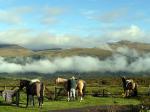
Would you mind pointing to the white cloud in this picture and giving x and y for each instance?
(50, 14)
(9, 17)
(116, 63)
(106, 17)
(132, 33)
(14, 15)
(44, 39)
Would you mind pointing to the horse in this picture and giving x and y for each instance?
(81, 86)
(65, 83)
(33, 88)
(129, 86)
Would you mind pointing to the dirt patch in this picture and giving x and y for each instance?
(112, 108)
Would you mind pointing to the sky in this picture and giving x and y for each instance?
(42, 24)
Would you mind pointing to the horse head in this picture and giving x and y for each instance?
(23, 83)
(123, 79)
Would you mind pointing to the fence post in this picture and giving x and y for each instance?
(55, 93)
(103, 92)
(5, 87)
(17, 97)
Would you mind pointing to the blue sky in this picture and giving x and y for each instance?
(73, 23)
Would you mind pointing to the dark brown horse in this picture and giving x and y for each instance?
(33, 89)
(129, 86)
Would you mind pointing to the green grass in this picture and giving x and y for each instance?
(59, 105)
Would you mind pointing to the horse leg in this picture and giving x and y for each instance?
(40, 100)
(33, 100)
(135, 90)
(68, 95)
(74, 94)
(81, 94)
(27, 100)
(126, 93)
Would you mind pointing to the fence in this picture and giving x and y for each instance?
(101, 91)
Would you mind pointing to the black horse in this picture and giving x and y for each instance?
(33, 89)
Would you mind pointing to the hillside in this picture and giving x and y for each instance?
(94, 52)
(98, 52)
(141, 47)
(12, 50)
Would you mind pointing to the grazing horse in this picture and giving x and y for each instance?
(81, 86)
(33, 88)
(65, 83)
(130, 87)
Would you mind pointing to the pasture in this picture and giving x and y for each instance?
(95, 97)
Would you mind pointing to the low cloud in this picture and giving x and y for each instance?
(122, 61)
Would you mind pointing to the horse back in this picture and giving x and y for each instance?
(80, 84)
(39, 89)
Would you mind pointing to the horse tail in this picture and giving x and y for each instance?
(84, 88)
(42, 91)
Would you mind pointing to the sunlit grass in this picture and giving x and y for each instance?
(59, 105)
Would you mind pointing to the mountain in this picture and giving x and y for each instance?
(94, 52)
(32, 63)
(141, 47)
(100, 52)
(14, 50)
(9, 50)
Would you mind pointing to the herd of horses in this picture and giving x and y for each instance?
(36, 88)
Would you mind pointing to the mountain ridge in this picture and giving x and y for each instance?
(17, 50)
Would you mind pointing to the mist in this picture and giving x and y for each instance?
(123, 59)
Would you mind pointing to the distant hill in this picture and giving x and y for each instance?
(19, 55)
(141, 47)
(11, 46)
(95, 52)
(98, 52)
(16, 50)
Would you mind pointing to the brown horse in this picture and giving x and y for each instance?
(81, 86)
(130, 87)
(33, 88)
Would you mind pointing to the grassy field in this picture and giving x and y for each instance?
(59, 105)
(63, 104)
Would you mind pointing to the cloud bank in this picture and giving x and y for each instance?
(122, 61)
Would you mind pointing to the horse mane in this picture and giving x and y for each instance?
(34, 81)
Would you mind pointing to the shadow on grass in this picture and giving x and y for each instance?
(21, 105)
(108, 108)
